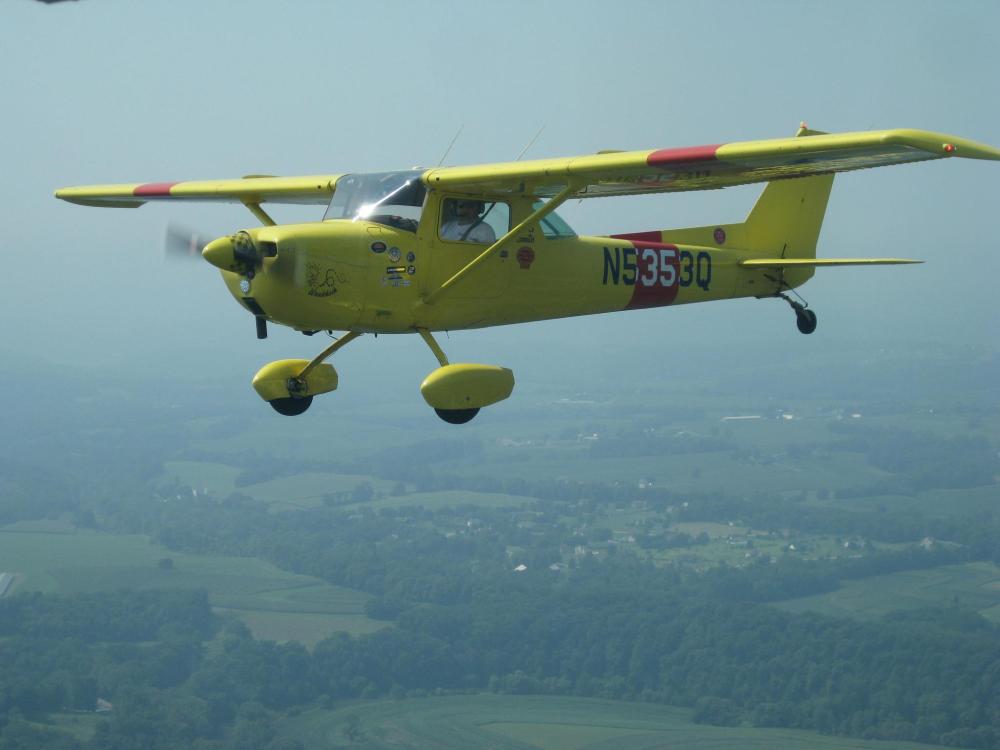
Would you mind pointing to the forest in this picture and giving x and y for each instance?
(473, 577)
(614, 625)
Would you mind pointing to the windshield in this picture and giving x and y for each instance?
(393, 198)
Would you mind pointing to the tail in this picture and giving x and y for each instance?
(781, 232)
(784, 223)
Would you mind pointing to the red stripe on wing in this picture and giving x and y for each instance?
(670, 157)
(154, 189)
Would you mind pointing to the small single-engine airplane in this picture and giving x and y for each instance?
(450, 248)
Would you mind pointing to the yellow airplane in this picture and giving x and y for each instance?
(453, 248)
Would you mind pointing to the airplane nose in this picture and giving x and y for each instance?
(220, 253)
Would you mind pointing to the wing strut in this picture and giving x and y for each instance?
(541, 212)
(260, 213)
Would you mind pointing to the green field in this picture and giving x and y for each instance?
(275, 604)
(284, 493)
(504, 722)
(973, 585)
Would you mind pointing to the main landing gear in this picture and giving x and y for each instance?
(805, 319)
(455, 392)
(457, 416)
(458, 392)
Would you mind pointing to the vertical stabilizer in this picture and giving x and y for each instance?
(786, 220)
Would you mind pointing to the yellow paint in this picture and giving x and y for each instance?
(363, 276)
(271, 381)
(467, 386)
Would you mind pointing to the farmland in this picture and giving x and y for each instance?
(508, 722)
(275, 604)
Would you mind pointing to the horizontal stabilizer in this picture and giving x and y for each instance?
(819, 262)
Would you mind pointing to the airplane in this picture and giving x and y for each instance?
(451, 248)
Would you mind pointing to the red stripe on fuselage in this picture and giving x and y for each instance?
(154, 188)
(657, 275)
(666, 158)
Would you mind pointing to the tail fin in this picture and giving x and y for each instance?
(784, 223)
(786, 219)
(780, 232)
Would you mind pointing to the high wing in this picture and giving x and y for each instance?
(706, 167)
(254, 190)
(604, 174)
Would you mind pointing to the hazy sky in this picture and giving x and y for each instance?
(121, 91)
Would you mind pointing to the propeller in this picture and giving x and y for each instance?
(238, 253)
(181, 243)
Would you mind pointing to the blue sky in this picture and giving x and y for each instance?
(116, 90)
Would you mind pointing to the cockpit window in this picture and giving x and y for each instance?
(553, 225)
(474, 220)
(392, 198)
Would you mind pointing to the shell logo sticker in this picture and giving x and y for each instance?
(525, 257)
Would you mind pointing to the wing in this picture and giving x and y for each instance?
(707, 167)
(313, 189)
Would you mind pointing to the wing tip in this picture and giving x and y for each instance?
(83, 198)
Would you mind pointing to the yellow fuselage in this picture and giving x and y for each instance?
(340, 275)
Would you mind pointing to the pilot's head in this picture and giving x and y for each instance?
(468, 208)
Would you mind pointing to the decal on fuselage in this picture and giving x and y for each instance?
(655, 271)
(322, 282)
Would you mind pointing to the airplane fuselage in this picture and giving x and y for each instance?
(366, 277)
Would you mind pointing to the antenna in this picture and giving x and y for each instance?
(530, 144)
(448, 150)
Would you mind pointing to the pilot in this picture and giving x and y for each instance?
(467, 225)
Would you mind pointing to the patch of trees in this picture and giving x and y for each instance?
(105, 616)
(60, 653)
(30, 492)
(923, 460)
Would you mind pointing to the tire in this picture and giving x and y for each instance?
(805, 320)
(291, 407)
(456, 416)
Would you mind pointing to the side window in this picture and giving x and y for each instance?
(471, 220)
(553, 226)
